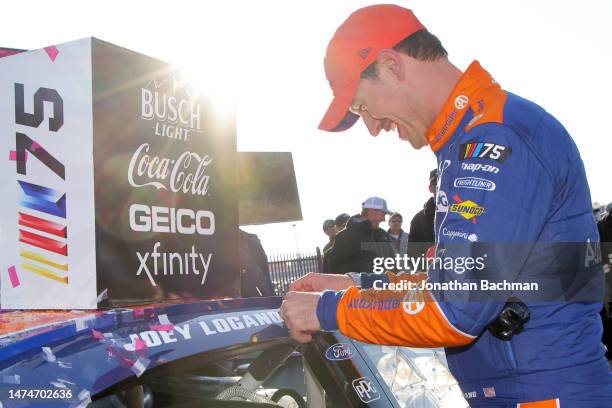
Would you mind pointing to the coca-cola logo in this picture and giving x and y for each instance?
(185, 174)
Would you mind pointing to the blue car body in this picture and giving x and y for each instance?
(88, 355)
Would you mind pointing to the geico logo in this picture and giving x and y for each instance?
(172, 220)
(464, 209)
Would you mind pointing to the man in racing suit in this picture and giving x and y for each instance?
(511, 178)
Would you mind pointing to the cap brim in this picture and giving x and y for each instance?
(338, 118)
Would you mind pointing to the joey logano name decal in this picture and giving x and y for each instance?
(203, 327)
(484, 150)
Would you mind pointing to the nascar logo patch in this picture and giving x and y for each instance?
(484, 150)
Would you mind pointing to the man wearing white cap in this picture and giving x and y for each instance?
(362, 240)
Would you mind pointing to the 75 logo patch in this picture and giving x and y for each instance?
(484, 150)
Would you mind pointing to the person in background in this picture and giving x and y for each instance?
(330, 229)
(422, 224)
(399, 238)
(254, 271)
(604, 226)
(362, 240)
(341, 221)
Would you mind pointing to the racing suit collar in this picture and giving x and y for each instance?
(468, 93)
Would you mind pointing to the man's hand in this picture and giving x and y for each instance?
(318, 282)
(299, 311)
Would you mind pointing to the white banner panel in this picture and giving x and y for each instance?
(47, 222)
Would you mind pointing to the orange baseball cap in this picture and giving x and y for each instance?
(355, 46)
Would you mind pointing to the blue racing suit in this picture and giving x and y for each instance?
(512, 192)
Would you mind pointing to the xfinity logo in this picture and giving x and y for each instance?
(173, 262)
(339, 351)
(364, 387)
(475, 183)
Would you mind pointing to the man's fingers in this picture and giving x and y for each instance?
(303, 284)
(300, 336)
(282, 310)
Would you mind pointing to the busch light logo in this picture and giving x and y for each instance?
(365, 389)
(339, 351)
(167, 103)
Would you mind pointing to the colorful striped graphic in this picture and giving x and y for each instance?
(44, 272)
(40, 206)
(43, 199)
(33, 256)
(470, 148)
(43, 242)
(40, 224)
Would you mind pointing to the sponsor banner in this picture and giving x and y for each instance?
(165, 175)
(46, 180)
(119, 182)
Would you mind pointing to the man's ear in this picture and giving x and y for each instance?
(391, 61)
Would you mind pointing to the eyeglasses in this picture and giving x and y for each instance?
(396, 221)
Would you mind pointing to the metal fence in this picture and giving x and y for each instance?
(285, 268)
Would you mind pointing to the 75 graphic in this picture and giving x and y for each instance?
(42, 209)
(484, 150)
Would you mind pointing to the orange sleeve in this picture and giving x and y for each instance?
(397, 317)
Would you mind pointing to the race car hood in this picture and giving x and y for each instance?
(88, 352)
